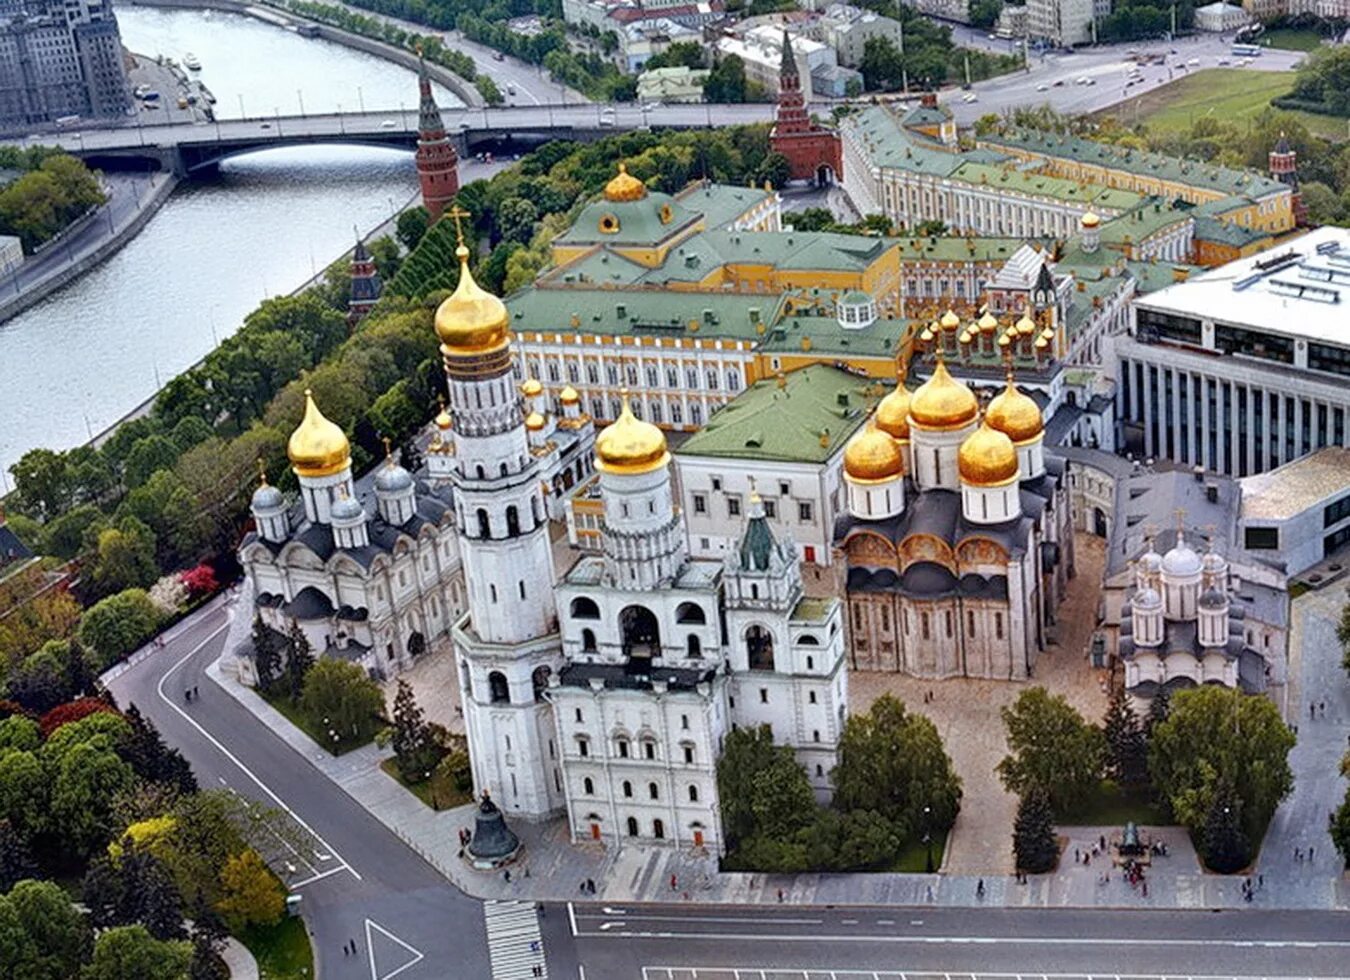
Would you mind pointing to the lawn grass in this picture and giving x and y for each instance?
(439, 792)
(1292, 39)
(1111, 806)
(282, 951)
(914, 858)
(314, 728)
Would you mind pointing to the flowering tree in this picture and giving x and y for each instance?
(200, 581)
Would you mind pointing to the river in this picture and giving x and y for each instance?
(87, 355)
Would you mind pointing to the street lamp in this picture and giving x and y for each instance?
(242, 113)
(300, 97)
(927, 839)
(360, 99)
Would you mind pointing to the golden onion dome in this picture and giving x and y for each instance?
(987, 458)
(1015, 414)
(534, 422)
(873, 456)
(532, 388)
(942, 402)
(318, 447)
(471, 320)
(629, 446)
(988, 323)
(950, 321)
(1091, 220)
(569, 396)
(892, 415)
(1026, 326)
(625, 187)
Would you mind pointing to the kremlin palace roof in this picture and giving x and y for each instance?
(806, 420)
(892, 145)
(652, 313)
(1145, 164)
(721, 204)
(1002, 178)
(952, 248)
(826, 335)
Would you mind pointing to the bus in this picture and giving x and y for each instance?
(1246, 50)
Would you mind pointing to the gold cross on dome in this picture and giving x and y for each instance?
(388, 450)
(456, 213)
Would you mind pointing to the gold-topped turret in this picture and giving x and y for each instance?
(625, 187)
(892, 415)
(629, 446)
(318, 447)
(569, 396)
(942, 402)
(1015, 414)
(987, 458)
(470, 320)
(873, 456)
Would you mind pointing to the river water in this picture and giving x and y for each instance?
(87, 355)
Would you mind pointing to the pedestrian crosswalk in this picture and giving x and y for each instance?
(514, 943)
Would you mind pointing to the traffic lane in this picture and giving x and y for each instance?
(997, 923)
(383, 888)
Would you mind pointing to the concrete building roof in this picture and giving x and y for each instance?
(1294, 487)
(806, 420)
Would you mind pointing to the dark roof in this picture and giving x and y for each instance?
(938, 513)
(11, 548)
(309, 603)
(756, 544)
(634, 676)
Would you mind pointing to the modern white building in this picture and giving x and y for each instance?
(1063, 23)
(368, 571)
(1220, 17)
(761, 49)
(1242, 368)
(1298, 514)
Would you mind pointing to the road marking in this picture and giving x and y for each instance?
(1132, 942)
(159, 688)
(891, 922)
(759, 973)
(318, 876)
(713, 918)
(417, 955)
(572, 917)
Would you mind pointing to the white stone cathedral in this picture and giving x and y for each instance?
(606, 693)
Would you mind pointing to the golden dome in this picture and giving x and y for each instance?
(942, 402)
(892, 415)
(987, 458)
(950, 321)
(531, 388)
(873, 456)
(569, 396)
(1015, 414)
(625, 187)
(443, 420)
(1090, 220)
(471, 320)
(534, 422)
(630, 446)
(318, 447)
(988, 323)
(1026, 326)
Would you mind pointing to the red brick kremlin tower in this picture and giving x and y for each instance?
(808, 148)
(1284, 168)
(437, 161)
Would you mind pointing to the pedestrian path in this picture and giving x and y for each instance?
(514, 943)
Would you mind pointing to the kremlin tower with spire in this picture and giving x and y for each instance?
(437, 161)
(814, 154)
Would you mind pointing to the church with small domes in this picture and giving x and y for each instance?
(956, 522)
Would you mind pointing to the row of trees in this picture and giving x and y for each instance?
(55, 190)
(1215, 758)
(429, 46)
(588, 72)
(894, 786)
(930, 57)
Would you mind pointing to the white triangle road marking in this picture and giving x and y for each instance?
(417, 955)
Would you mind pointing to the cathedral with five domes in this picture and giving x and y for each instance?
(956, 528)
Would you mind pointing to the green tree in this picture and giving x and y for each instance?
(134, 887)
(882, 66)
(1035, 849)
(726, 82)
(342, 693)
(415, 748)
(1052, 747)
(1339, 828)
(147, 456)
(114, 627)
(63, 535)
(250, 893)
(1126, 748)
(746, 752)
(126, 557)
(1158, 710)
(515, 220)
(688, 54)
(776, 169)
(299, 659)
(24, 793)
(130, 951)
(43, 481)
(49, 935)
(1219, 739)
(20, 733)
(893, 762)
(1223, 845)
(85, 779)
(16, 860)
(266, 653)
(983, 13)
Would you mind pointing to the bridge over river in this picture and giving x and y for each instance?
(187, 147)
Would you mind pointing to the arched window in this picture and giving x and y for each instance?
(588, 785)
(734, 380)
(693, 647)
(677, 413)
(759, 648)
(622, 745)
(585, 608)
(587, 641)
(672, 378)
(482, 473)
(653, 791)
(658, 830)
(690, 612)
(498, 690)
(627, 790)
(502, 470)
(641, 636)
(512, 521)
(484, 525)
(540, 681)
(696, 413)
(693, 793)
(809, 641)
(632, 827)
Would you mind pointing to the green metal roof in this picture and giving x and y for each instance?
(1040, 185)
(890, 144)
(958, 249)
(1189, 172)
(1136, 225)
(828, 336)
(651, 313)
(767, 422)
(720, 204)
(639, 221)
(1209, 229)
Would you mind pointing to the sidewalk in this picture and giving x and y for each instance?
(552, 869)
(240, 961)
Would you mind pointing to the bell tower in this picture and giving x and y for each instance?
(507, 645)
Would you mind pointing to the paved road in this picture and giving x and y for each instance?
(358, 881)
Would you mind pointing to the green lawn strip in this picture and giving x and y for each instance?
(438, 792)
(282, 951)
(1111, 806)
(1292, 39)
(313, 727)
